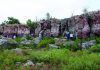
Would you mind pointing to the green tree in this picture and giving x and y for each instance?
(85, 10)
(47, 16)
(32, 25)
(11, 20)
(4, 23)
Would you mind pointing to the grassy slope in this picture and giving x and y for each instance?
(61, 59)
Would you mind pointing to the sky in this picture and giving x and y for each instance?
(37, 9)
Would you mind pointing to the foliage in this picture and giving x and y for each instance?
(29, 37)
(59, 59)
(52, 55)
(95, 48)
(98, 40)
(48, 16)
(64, 59)
(31, 46)
(45, 42)
(74, 46)
(18, 39)
(11, 20)
(8, 59)
(32, 25)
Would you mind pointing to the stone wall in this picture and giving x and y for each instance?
(78, 23)
(82, 23)
(50, 26)
(15, 29)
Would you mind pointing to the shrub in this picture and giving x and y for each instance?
(98, 40)
(8, 59)
(52, 55)
(12, 44)
(29, 37)
(18, 39)
(95, 48)
(58, 59)
(63, 59)
(73, 45)
(32, 46)
(45, 42)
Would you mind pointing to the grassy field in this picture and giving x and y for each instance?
(56, 59)
(65, 58)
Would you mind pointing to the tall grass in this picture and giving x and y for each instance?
(80, 60)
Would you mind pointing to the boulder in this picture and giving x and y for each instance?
(88, 44)
(18, 51)
(8, 43)
(59, 41)
(18, 64)
(92, 42)
(85, 45)
(2, 41)
(53, 46)
(39, 64)
(26, 42)
(12, 42)
(29, 63)
(69, 43)
(37, 40)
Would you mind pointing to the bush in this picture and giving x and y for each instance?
(45, 42)
(32, 46)
(29, 37)
(98, 40)
(73, 46)
(55, 59)
(18, 39)
(52, 55)
(64, 59)
(8, 59)
(95, 48)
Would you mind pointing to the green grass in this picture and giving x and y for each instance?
(60, 59)
(8, 59)
(80, 60)
(45, 42)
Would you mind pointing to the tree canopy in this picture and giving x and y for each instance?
(11, 20)
(31, 24)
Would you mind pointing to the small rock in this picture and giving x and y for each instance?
(84, 45)
(18, 63)
(88, 44)
(8, 43)
(53, 46)
(59, 41)
(26, 42)
(37, 40)
(2, 41)
(39, 64)
(92, 42)
(17, 50)
(69, 43)
(29, 63)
